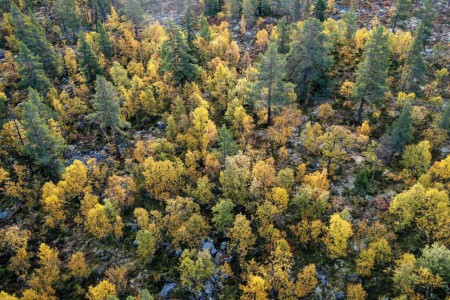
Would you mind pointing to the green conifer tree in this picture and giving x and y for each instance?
(106, 104)
(270, 85)
(402, 13)
(372, 72)
(205, 29)
(89, 62)
(67, 15)
(284, 32)
(309, 59)
(43, 144)
(134, 13)
(401, 131)
(320, 10)
(31, 71)
(415, 67)
(104, 44)
(227, 145)
(176, 58)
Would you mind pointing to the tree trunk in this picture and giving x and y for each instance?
(360, 110)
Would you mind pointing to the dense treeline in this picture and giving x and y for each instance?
(246, 149)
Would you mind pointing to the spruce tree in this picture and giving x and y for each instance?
(205, 29)
(134, 13)
(248, 10)
(104, 44)
(270, 85)
(234, 7)
(415, 67)
(29, 31)
(372, 72)
(445, 119)
(227, 145)
(66, 13)
(284, 31)
(31, 70)
(351, 22)
(212, 7)
(320, 10)
(426, 15)
(43, 144)
(401, 131)
(89, 62)
(176, 58)
(309, 59)
(106, 104)
(403, 12)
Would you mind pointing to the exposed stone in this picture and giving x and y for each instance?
(166, 290)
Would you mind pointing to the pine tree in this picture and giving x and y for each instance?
(372, 72)
(89, 62)
(415, 66)
(309, 59)
(284, 32)
(234, 7)
(228, 146)
(445, 119)
(29, 31)
(248, 11)
(403, 11)
(270, 85)
(66, 12)
(401, 131)
(212, 7)
(205, 29)
(320, 10)
(426, 15)
(106, 103)
(43, 144)
(104, 44)
(351, 22)
(177, 60)
(134, 13)
(31, 70)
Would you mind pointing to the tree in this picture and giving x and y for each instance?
(256, 288)
(428, 209)
(235, 178)
(401, 130)
(205, 29)
(98, 222)
(339, 231)
(320, 8)
(101, 291)
(66, 12)
(234, 7)
(146, 245)
(426, 16)
(437, 259)
(176, 59)
(417, 158)
(309, 59)
(163, 179)
(121, 189)
(104, 44)
(106, 103)
(372, 72)
(195, 268)
(284, 35)
(241, 236)
(211, 7)
(227, 145)
(306, 281)
(134, 13)
(248, 11)
(445, 119)
(43, 143)
(415, 68)
(403, 10)
(204, 129)
(223, 214)
(309, 137)
(335, 144)
(89, 62)
(351, 22)
(47, 274)
(356, 292)
(77, 265)
(270, 85)
(31, 71)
